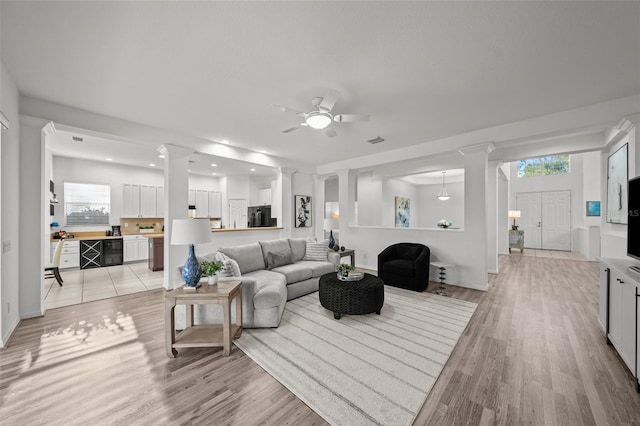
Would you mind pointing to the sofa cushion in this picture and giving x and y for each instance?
(316, 251)
(294, 272)
(274, 246)
(271, 288)
(298, 248)
(230, 268)
(318, 269)
(278, 259)
(401, 267)
(248, 256)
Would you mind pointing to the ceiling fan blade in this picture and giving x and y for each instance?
(329, 100)
(285, 109)
(347, 118)
(291, 129)
(330, 132)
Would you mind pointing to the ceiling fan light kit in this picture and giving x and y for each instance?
(318, 119)
(443, 195)
(321, 118)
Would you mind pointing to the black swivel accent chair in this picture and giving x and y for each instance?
(405, 265)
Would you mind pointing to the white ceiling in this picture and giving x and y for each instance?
(423, 70)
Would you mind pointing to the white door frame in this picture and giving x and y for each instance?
(542, 221)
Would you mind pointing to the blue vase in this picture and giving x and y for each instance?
(191, 271)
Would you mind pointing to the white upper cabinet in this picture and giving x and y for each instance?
(130, 200)
(202, 203)
(215, 204)
(147, 201)
(192, 197)
(160, 201)
(264, 197)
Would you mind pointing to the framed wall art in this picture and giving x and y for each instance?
(403, 212)
(617, 182)
(302, 211)
(593, 208)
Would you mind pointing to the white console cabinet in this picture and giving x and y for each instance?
(619, 313)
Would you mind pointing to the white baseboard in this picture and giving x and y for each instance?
(4, 341)
(33, 314)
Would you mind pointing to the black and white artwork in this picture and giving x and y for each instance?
(302, 211)
(617, 181)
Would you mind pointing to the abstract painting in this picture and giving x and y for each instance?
(302, 211)
(403, 212)
(617, 182)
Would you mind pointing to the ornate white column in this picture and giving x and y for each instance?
(176, 201)
(475, 210)
(284, 184)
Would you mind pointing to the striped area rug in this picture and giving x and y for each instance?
(363, 369)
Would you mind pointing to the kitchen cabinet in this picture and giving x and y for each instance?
(130, 200)
(202, 203)
(619, 297)
(264, 197)
(192, 197)
(142, 201)
(215, 204)
(70, 255)
(135, 248)
(156, 253)
(160, 201)
(147, 201)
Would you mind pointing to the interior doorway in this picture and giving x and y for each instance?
(545, 219)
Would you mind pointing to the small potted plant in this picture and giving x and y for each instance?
(210, 270)
(444, 223)
(344, 269)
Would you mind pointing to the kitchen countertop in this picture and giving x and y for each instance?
(97, 237)
(260, 228)
(154, 235)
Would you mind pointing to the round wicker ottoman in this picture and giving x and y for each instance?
(351, 297)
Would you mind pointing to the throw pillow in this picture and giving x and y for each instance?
(230, 268)
(278, 259)
(316, 251)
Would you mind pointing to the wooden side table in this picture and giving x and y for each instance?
(347, 252)
(516, 239)
(203, 335)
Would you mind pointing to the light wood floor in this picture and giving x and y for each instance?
(533, 353)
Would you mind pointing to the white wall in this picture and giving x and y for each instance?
(572, 181)
(432, 210)
(392, 188)
(10, 217)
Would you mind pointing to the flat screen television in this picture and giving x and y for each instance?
(633, 226)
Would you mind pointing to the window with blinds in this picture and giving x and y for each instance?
(87, 203)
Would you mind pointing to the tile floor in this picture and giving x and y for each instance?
(552, 254)
(85, 285)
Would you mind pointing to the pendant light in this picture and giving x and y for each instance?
(443, 195)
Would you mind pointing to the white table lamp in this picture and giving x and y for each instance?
(190, 232)
(514, 214)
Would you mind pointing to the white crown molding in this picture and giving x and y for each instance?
(487, 147)
(621, 129)
(30, 121)
(175, 151)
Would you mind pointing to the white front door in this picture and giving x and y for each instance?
(556, 220)
(545, 218)
(529, 204)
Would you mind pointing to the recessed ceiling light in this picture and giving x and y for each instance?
(214, 165)
(253, 170)
(189, 170)
(151, 165)
(161, 156)
(263, 151)
(214, 173)
(224, 141)
(108, 159)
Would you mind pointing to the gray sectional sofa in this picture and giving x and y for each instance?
(271, 272)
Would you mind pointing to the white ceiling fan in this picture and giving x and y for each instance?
(321, 117)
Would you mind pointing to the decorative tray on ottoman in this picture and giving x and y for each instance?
(353, 276)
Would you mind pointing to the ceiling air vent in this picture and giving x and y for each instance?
(77, 138)
(375, 140)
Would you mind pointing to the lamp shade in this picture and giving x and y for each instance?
(190, 231)
(514, 214)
